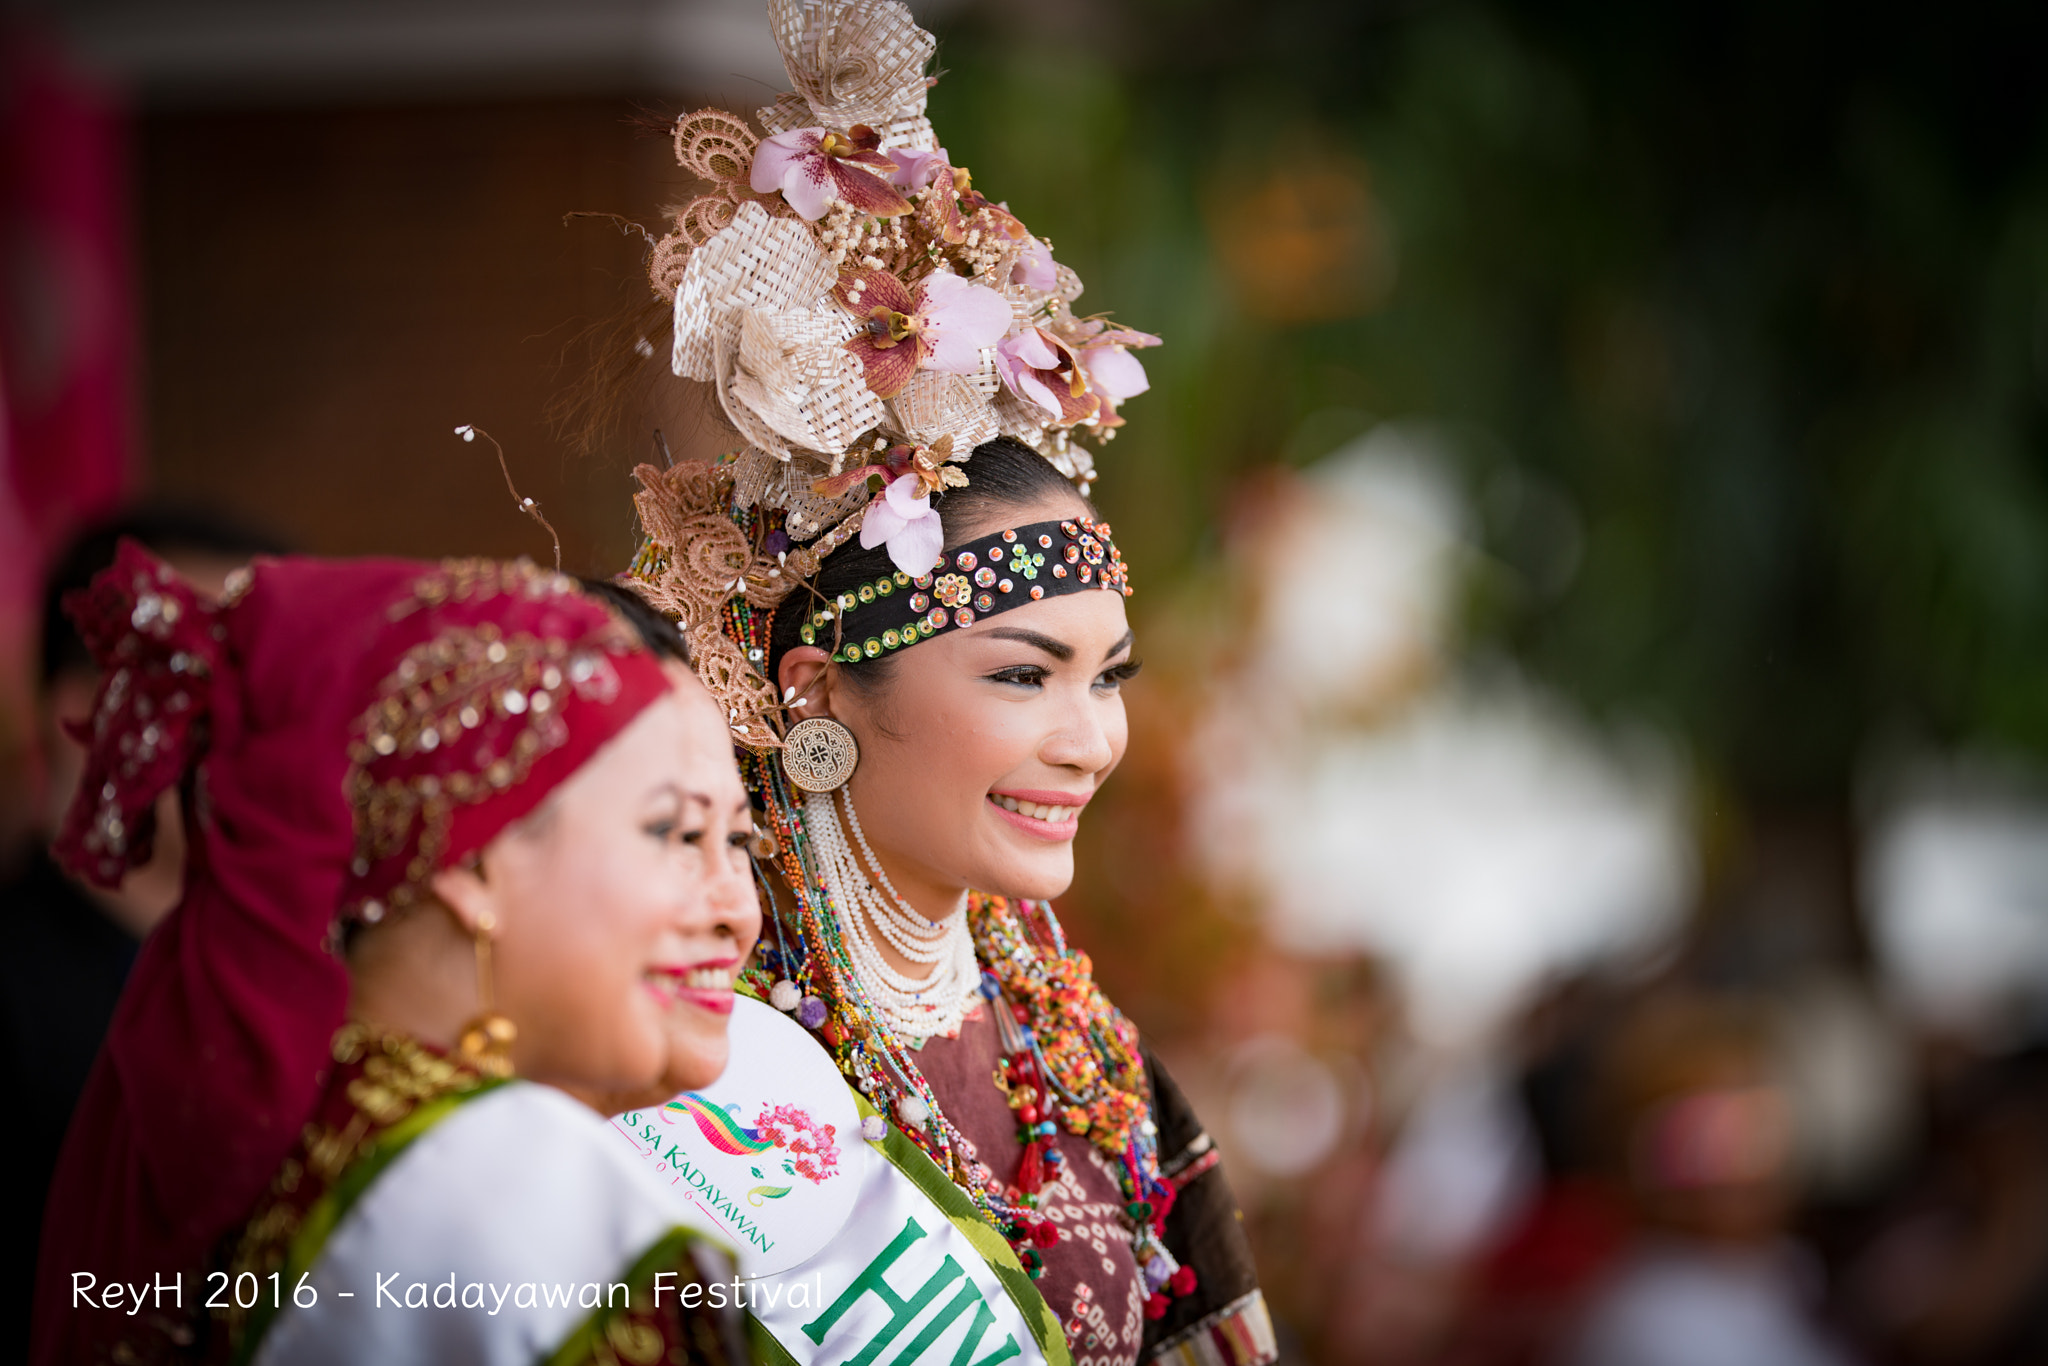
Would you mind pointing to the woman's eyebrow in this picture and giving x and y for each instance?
(681, 794)
(1058, 649)
(1113, 651)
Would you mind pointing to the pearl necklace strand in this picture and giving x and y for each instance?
(916, 1007)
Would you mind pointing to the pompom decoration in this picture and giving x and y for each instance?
(810, 1012)
(784, 996)
(873, 1128)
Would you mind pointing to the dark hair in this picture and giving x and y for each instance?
(165, 532)
(656, 632)
(1004, 475)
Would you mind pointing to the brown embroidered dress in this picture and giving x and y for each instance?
(1090, 1279)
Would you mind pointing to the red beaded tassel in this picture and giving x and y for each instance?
(1031, 1171)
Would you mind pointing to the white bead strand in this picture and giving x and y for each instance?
(916, 1007)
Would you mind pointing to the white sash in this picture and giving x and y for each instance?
(488, 1240)
(853, 1253)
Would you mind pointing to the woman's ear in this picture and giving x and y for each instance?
(468, 895)
(805, 682)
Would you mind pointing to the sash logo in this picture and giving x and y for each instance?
(812, 1153)
(807, 1150)
(710, 1195)
(770, 1157)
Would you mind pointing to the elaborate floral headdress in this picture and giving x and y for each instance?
(866, 318)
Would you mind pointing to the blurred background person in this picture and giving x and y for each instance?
(66, 945)
(1955, 1269)
(1698, 1133)
(1529, 1284)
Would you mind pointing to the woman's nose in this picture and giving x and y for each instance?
(1082, 743)
(731, 898)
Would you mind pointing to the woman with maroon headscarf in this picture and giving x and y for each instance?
(462, 847)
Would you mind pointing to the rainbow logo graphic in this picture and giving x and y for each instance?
(719, 1127)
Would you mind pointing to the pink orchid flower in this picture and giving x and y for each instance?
(942, 327)
(915, 169)
(1039, 368)
(973, 201)
(813, 166)
(929, 463)
(1035, 268)
(1114, 374)
(903, 519)
(948, 213)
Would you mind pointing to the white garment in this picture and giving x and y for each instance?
(1678, 1304)
(520, 1187)
(812, 1242)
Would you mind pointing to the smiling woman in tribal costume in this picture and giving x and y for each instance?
(899, 592)
(462, 844)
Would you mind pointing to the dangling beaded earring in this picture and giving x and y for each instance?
(486, 1042)
(819, 754)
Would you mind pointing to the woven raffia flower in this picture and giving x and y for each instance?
(699, 561)
(705, 555)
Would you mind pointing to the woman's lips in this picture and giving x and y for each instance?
(1029, 812)
(717, 1002)
(707, 986)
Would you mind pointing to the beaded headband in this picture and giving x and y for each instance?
(988, 575)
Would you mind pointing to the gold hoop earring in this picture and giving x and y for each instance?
(486, 1042)
(819, 754)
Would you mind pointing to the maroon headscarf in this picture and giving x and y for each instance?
(340, 730)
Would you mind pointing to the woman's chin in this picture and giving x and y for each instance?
(684, 1063)
(629, 1090)
(698, 1048)
(1040, 877)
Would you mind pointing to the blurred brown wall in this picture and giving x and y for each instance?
(330, 292)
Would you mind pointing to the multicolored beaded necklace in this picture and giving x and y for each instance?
(1069, 1058)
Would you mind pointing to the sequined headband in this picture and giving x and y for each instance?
(988, 575)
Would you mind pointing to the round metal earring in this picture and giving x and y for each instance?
(819, 754)
(486, 1041)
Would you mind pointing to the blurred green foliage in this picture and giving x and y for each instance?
(1735, 318)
